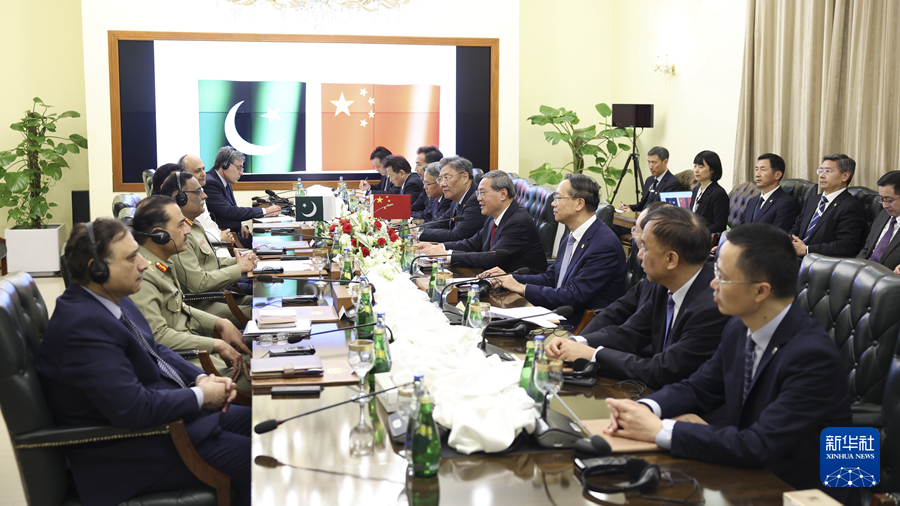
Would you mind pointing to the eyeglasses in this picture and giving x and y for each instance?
(240, 168)
(558, 198)
(429, 184)
(824, 171)
(446, 179)
(195, 192)
(882, 200)
(721, 281)
(479, 193)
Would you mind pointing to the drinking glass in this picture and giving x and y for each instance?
(362, 437)
(415, 229)
(548, 378)
(320, 258)
(441, 280)
(405, 394)
(479, 315)
(320, 286)
(361, 358)
(266, 339)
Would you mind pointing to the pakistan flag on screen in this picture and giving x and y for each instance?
(265, 120)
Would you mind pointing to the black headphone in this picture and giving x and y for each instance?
(98, 271)
(642, 476)
(181, 197)
(582, 368)
(159, 237)
(227, 159)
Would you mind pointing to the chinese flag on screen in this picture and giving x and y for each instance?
(391, 207)
(356, 118)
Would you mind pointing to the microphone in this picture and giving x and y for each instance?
(521, 270)
(280, 200)
(296, 338)
(499, 252)
(268, 278)
(217, 244)
(455, 219)
(270, 425)
(490, 349)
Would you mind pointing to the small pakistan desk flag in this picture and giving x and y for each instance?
(309, 208)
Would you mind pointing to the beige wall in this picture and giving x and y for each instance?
(433, 18)
(43, 58)
(575, 53)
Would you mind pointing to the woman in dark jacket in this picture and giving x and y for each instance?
(710, 200)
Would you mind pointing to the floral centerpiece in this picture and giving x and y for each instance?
(376, 246)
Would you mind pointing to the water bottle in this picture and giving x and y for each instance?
(532, 388)
(473, 298)
(364, 313)
(347, 268)
(418, 391)
(426, 441)
(525, 377)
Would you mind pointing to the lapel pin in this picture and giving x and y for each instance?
(774, 351)
(582, 246)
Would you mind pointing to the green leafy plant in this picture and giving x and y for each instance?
(598, 141)
(27, 170)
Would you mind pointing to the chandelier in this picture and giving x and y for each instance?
(307, 5)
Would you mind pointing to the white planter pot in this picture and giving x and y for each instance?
(35, 251)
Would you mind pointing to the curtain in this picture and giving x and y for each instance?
(820, 77)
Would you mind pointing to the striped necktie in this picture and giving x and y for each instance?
(164, 367)
(749, 355)
(815, 219)
(570, 250)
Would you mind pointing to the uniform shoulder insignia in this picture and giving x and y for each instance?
(162, 268)
(189, 222)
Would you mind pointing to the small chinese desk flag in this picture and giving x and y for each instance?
(391, 207)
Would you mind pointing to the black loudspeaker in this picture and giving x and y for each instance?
(632, 115)
(81, 207)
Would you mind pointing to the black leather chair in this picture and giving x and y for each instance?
(606, 213)
(521, 188)
(890, 442)
(634, 272)
(868, 198)
(800, 190)
(856, 302)
(477, 174)
(538, 202)
(125, 201)
(39, 444)
(147, 176)
(737, 201)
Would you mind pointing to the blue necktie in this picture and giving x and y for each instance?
(756, 210)
(749, 352)
(670, 315)
(570, 248)
(164, 367)
(815, 218)
(883, 243)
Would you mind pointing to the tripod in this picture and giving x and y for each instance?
(638, 177)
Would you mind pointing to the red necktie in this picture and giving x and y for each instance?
(493, 230)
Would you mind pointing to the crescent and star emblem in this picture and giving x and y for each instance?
(238, 142)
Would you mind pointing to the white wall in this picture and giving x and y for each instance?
(425, 18)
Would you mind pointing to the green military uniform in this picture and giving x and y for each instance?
(174, 324)
(199, 270)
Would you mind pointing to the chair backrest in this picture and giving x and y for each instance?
(606, 213)
(539, 205)
(855, 302)
(147, 176)
(890, 416)
(23, 319)
(126, 215)
(737, 201)
(477, 174)
(800, 190)
(868, 198)
(634, 271)
(521, 187)
(124, 201)
(687, 180)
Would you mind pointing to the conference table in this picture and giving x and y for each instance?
(307, 461)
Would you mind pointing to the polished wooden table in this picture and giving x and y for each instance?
(627, 219)
(313, 465)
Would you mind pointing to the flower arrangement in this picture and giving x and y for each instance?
(371, 241)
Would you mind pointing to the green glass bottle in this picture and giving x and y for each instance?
(423, 491)
(383, 360)
(525, 377)
(364, 313)
(426, 443)
(347, 268)
(532, 388)
(473, 297)
(377, 426)
(435, 267)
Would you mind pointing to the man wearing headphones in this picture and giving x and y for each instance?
(777, 374)
(198, 269)
(194, 165)
(162, 230)
(226, 171)
(99, 365)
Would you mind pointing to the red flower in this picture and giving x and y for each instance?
(332, 227)
(377, 224)
(381, 241)
(365, 251)
(393, 238)
(347, 228)
(353, 242)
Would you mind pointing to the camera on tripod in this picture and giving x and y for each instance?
(632, 116)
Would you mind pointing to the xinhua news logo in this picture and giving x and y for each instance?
(850, 457)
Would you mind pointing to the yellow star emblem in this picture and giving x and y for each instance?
(379, 199)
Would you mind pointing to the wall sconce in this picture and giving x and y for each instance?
(664, 66)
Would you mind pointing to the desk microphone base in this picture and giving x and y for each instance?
(490, 349)
(557, 431)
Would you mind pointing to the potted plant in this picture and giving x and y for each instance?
(598, 141)
(26, 173)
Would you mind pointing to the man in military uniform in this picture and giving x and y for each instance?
(198, 269)
(161, 230)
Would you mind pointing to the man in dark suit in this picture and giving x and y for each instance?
(456, 184)
(425, 156)
(777, 374)
(435, 205)
(402, 177)
(773, 205)
(881, 245)
(99, 365)
(832, 224)
(384, 185)
(589, 271)
(226, 171)
(678, 326)
(508, 227)
(660, 181)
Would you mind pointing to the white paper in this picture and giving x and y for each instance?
(525, 312)
(301, 326)
(287, 265)
(273, 219)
